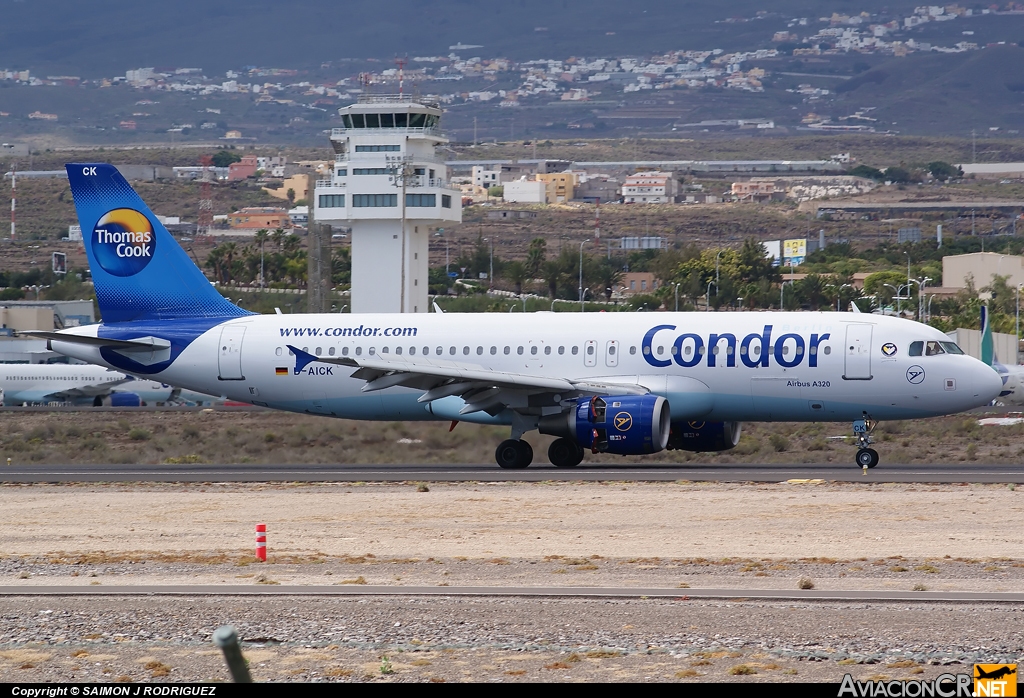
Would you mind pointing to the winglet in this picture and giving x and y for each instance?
(302, 358)
(437, 308)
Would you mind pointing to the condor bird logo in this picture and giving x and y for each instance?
(623, 421)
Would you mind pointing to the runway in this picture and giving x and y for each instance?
(810, 595)
(740, 472)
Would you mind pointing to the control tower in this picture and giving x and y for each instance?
(391, 188)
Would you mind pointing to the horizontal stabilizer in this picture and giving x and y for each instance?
(141, 344)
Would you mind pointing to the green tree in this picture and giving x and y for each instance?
(224, 157)
(535, 256)
(517, 273)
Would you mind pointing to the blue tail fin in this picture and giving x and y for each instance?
(139, 270)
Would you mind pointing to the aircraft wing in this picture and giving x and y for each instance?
(481, 389)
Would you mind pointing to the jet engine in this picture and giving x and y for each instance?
(704, 437)
(118, 400)
(628, 425)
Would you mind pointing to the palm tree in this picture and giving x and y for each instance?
(261, 238)
(552, 272)
(535, 256)
(517, 273)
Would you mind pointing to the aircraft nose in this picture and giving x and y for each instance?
(986, 384)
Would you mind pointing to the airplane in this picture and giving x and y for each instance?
(617, 383)
(78, 384)
(1012, 377)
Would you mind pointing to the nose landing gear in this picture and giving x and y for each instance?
(862, 428)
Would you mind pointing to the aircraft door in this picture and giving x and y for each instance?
(858, 352)
(611, 353)
(229, 360)
(590, 353)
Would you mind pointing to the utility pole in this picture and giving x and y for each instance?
(14, 197)
(318, 267)
(474, 130)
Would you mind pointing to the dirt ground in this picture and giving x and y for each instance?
(682, 535)
(255, 436)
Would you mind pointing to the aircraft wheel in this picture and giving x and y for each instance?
(867, 458)
(525, 454)
(565, 453)
(513, 454)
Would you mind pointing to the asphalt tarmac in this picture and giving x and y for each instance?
(518, 591)
(740, 472)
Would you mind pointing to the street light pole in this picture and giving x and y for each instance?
(581, 272)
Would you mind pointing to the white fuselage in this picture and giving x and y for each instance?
(819, 366)
(72, 383)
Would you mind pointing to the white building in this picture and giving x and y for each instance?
(523, 191)
(389, 186)
(649, 188)
(486, 177)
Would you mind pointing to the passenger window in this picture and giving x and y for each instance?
(440, 350)
(561, 350)
(547, 350)
(359, 351)
(494, 350)
(519, 351)
(319, 351)
(465, 351)
(933, 349)
(632, 350)
(451, 350)
(611, 350)
(278, 352)
(412, 351)
(331, 351)
(344, 351)
(398, 350)
(479, 351)
(507, 350)
(590, 350)
(384, 350)
(533, 350)
(426, 351)
(828, 350)
(575, 351)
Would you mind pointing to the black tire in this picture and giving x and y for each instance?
(564, 453)
(508, 454)
(525, 454)
(867, 458)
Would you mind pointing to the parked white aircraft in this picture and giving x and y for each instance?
(621, 383)
(1012, 393)
(78, 384)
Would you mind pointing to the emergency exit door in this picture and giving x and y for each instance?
(858, 352)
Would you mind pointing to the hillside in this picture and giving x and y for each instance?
(97, 39)
(942, 93)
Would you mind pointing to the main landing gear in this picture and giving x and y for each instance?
(565, 453)
(514, 454)
(862, 428)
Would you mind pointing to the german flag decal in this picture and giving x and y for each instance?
(280, 371)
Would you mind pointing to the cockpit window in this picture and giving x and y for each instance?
(933, 349)
(916, 348)
(951, 348)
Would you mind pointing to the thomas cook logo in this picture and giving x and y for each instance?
(995, 680)
(123, 242)
(623, 421)
(888, 349)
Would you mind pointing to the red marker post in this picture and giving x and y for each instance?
(261, 542)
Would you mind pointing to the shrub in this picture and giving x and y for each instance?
(139, 434)
(779, 442)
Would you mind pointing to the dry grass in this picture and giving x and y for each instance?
(239, 437)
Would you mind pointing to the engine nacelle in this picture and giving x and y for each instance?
(704, 437)
(627, 425)
(118, 400)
